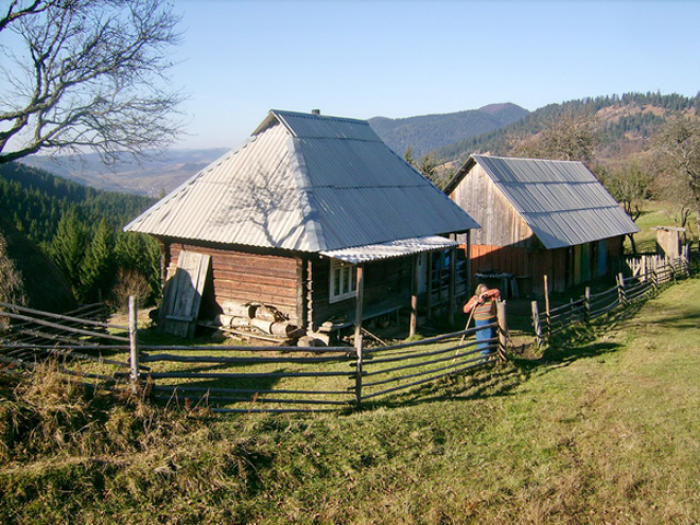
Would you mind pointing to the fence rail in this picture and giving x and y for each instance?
(241, 378)
(647, 275)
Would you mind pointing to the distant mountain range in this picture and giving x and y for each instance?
(625, 124)
(428, 132)
(151, 177)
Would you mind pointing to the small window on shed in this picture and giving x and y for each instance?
(343, 283)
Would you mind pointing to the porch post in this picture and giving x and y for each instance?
(453, 284)
(359, 299)
(413, 323)
(429, 298)
(468, 255)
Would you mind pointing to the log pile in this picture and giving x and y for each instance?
(256, 319)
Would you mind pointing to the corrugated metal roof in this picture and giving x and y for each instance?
(306, 183)
(561, 201)
(391, 249)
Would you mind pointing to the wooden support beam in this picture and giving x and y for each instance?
(502, 329)
(429, 299)
(359, 299)
(468, 256)
(133, 344)
(413, 322)
(453, 284)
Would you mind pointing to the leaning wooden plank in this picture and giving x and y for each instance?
(183, 294)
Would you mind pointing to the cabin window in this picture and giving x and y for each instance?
(343, 283)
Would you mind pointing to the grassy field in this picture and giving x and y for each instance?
(603, 429)
(655, 214)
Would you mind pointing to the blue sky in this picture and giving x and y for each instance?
(353, 58)
(398, 59)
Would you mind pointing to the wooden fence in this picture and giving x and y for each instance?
(647, 275)
(78, 336)
(239, 378)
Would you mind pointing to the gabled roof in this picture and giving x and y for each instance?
(561, 201)
(307, 183)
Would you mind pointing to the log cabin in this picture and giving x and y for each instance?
(539, 217)
(315, 218)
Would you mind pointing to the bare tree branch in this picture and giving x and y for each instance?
(92, 76)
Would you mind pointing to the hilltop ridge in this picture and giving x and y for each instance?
(428, 132)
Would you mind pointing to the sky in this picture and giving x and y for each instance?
(396, 59)
(239, 59)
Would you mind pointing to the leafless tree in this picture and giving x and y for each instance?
(79, 75)
(630, 183)
(678, 154)
(569, 136)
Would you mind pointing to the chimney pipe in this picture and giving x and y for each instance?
(315, 111)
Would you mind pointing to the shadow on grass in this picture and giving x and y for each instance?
(501, 379)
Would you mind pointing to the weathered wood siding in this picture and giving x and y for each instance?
(387, 286)
(505, 243)
(501, 225)
(247, 276)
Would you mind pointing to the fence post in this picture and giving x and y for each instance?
(621, 289)
(587, 305)
(546, 309)
(536, 324)
(133, 344)
(502, 329)
(672, 263)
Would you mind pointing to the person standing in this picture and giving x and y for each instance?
(482, 306)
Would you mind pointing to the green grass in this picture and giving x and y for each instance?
(656, 213)
(601, 430)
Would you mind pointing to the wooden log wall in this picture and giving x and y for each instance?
(387, 285)
(246, 276)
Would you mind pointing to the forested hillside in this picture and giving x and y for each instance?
(80, 229)
(623, 123)
(425, 133)
(35, 200)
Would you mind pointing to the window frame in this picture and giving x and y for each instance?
(343, 272)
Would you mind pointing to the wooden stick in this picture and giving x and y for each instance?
(480, 362)
(406, 357)
(62, 327)
(546, 306)
(133, 343)
(77, 320)
(242, 360)
(282, 401)
(261, 375)
(416, 365)
(173, 388)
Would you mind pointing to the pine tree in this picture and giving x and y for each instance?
(68, 248)
(97, 271)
